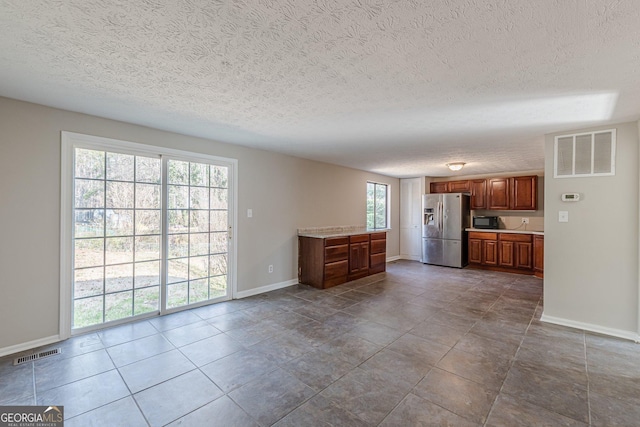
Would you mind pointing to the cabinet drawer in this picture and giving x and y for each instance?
(483, 236)
(378, 246)
(377, 259)
(359, 238)
(336, 253)
(378, 236)
(510, 237)
(335, 271)
(335, 241)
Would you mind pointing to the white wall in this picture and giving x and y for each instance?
(284, 192)
(591, 262)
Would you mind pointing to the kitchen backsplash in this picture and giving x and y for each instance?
(536, 223)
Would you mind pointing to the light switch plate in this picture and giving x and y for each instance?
(249, 213)
(563, 216)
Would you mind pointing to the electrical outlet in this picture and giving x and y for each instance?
(525, 220)
(271, 268)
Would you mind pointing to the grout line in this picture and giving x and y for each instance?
(586, 366)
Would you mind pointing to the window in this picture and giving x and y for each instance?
(145, 230)
(377, 205)
(585, 154)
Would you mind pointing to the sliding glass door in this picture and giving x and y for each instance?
(150, 234)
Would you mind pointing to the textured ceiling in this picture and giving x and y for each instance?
(398, 87)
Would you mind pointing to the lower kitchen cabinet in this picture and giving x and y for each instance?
(538, 255)
(511, 252)
(331, 261)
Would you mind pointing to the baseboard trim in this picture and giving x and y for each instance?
(618, 333)
(25, 346)
(394, 258)
(266, 288)
(410, 257)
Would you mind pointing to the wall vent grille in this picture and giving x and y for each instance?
(36, 356)
(585, 154)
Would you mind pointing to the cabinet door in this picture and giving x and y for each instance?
(475, 251)
(459, 187)
(439, 187)
(498, 194)
(490, 252)
(524, 255)
(478, 193)
(506, 254)
(525, 194)
(358, 258)
(538, 254)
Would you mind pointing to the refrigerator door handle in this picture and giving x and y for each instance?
(441, 216)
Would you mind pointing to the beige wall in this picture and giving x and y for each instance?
(591, 262)
(284, 192)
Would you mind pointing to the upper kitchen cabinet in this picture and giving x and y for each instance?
(518, 193)
(439, 187)
(498, 194)
(478, 193)
(525, 193)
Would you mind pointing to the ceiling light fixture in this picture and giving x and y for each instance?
(456, 166)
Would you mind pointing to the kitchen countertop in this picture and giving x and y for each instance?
(328, 232)
(502, 230)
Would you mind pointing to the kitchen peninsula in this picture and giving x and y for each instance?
(330, 256)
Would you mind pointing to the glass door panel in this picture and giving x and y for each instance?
(197, 232)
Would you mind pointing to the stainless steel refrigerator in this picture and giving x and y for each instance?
(444, 220)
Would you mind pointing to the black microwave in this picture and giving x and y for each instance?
(490, 222)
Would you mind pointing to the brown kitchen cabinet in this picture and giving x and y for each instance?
(515, 193)
(358, 256)
(327, 262)
(483, 248)
(538, 256)
(510, 252)
(478, 189)
(498, 194)
(439, 187)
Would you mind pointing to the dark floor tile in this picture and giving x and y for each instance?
(320, 411)
(212, 310)
(454, 321)
(85, 395)
(175, 320)
(282, 348)
(235, 320)
(315, 333)
(123, 412)
(315, 311)
(210, 349)
(154, 370)
(557, 394)
(343, 321)
(237, 369)
(272, 396)
(376, 333)
(498, 330)
(53, 372)
(264, 310)
(222, 412)
(414, 411)
(177, 397)
(366, 394)
(490, 372)
(133, 351)
(511, 411)
(124, 333)
(413, 346)
(605, 361)
(437, 332)
(16, 382)
(409, 369)
(486, 347)
(615, 385)
(558, 362)
(253, 334)
(456, 394)
(614, 411)
(318, 369)
(76, 346)
(191, 333)
(351, 349)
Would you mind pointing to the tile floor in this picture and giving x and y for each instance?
(425, 346)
